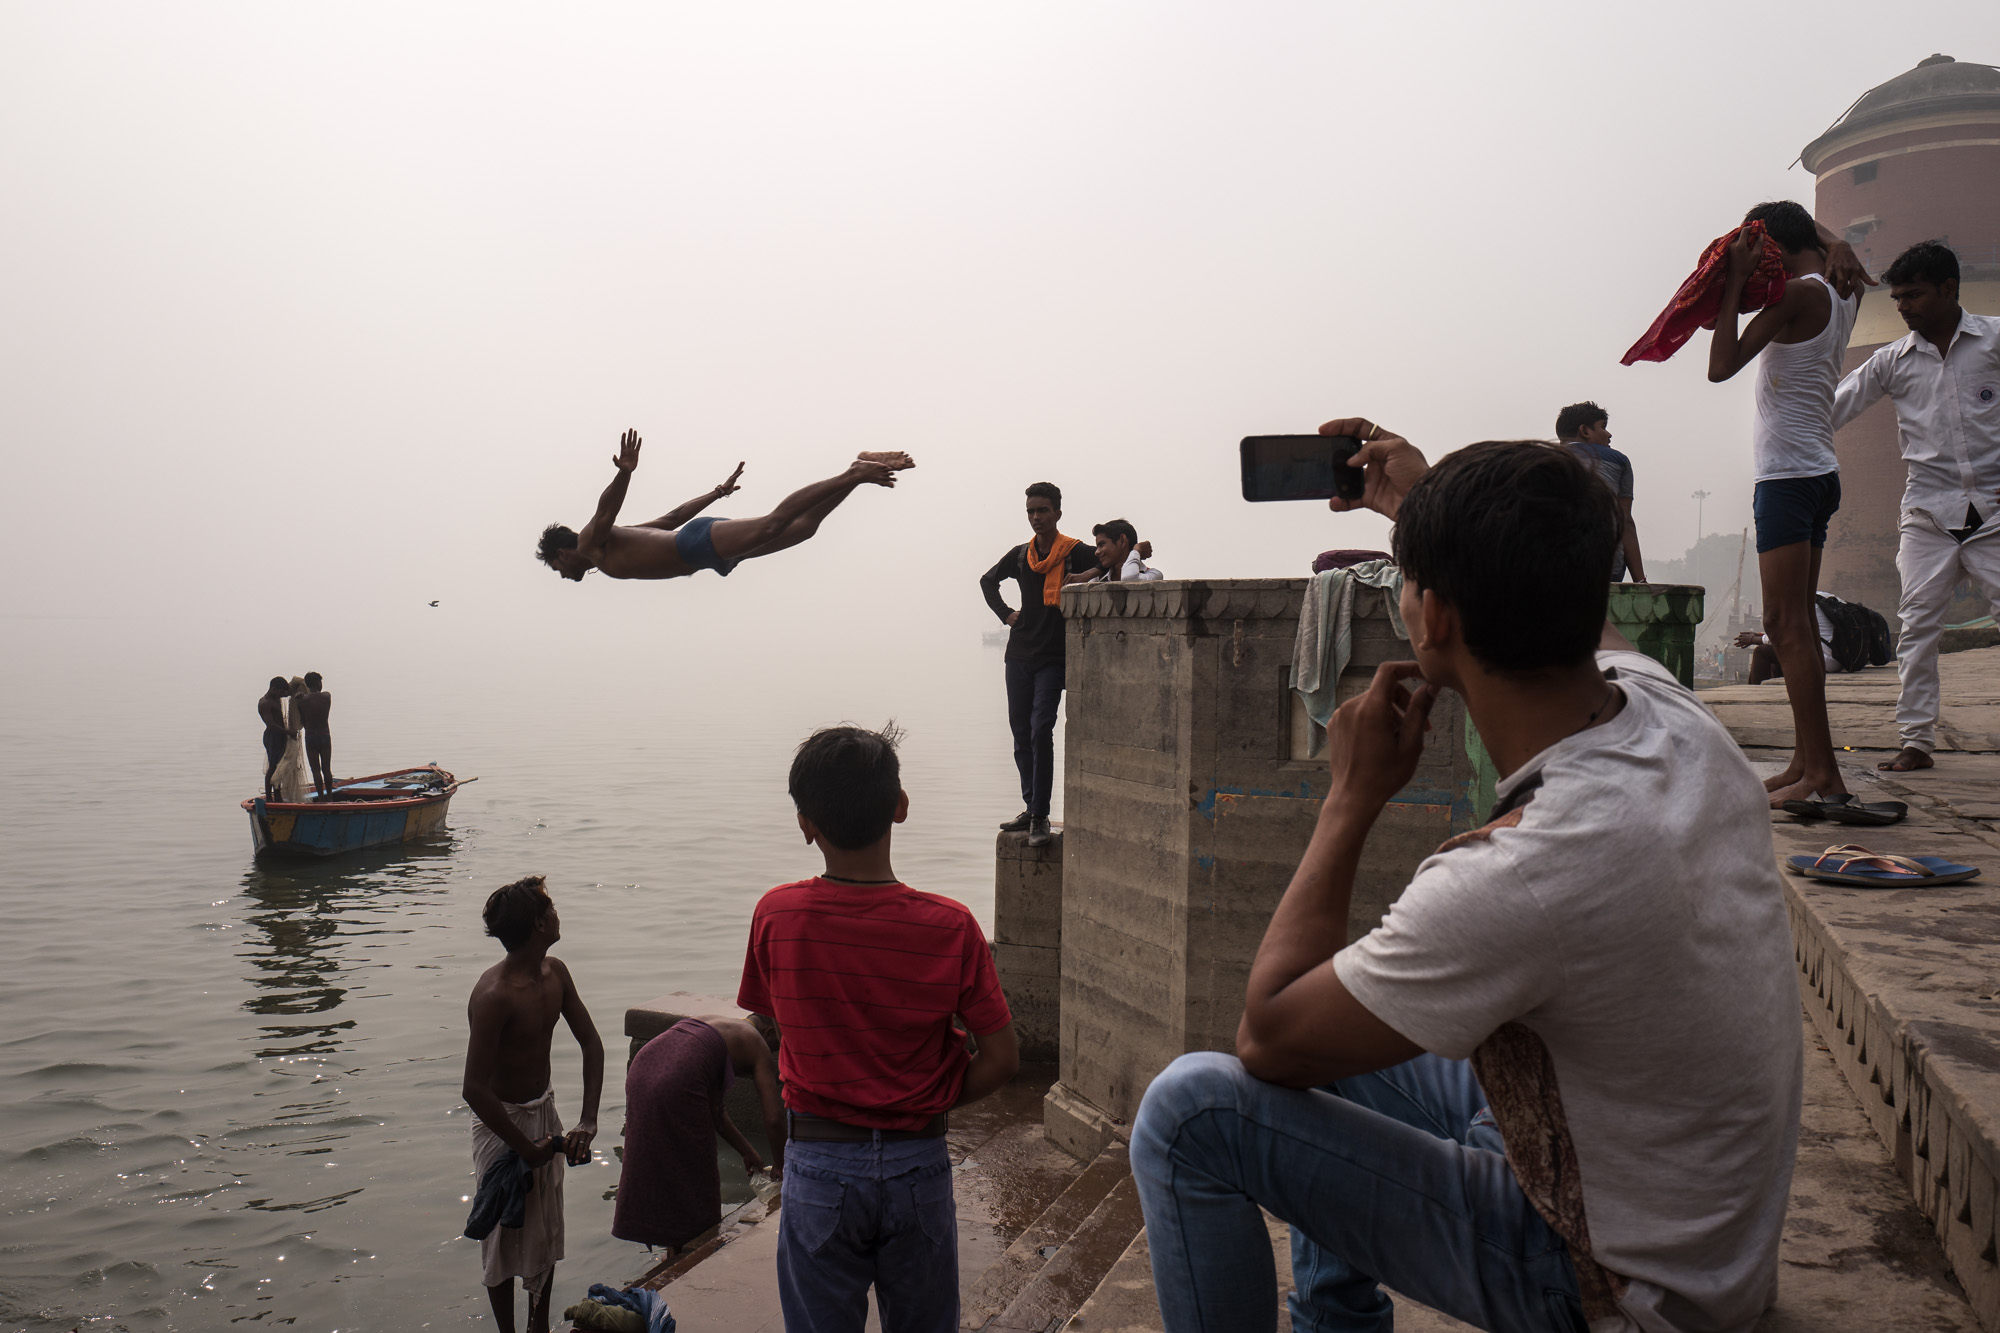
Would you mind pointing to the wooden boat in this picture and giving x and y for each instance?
(362, 812)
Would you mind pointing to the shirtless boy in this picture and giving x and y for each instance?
(677, 543)
(676, 1102)
(314, 706)
(271, 708)
(513, 1013)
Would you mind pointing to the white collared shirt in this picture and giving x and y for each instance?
(1947, 415)
(1137, 571)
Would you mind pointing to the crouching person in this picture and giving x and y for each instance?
(1558, 1086)
(866, 975)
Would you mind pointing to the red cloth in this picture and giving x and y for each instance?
(1699, 300)
(864, 980)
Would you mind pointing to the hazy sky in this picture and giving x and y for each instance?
(331, 308)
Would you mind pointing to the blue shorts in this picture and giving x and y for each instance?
(1794, 509)
(697, 547)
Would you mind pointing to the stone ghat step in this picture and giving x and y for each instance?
(1078, 1268)
(995, 1291)
(1856, 1257)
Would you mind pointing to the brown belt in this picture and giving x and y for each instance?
(818, 1129)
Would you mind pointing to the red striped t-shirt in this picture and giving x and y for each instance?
(864, 980)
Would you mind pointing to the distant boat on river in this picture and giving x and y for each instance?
(362, 812)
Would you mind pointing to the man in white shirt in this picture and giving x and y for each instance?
(1944, 378)
(1119, 553)
(1611, 952)
(1798, 344)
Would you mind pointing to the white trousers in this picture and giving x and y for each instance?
(1931, 564)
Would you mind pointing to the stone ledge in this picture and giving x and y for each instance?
(1079, 1127)
(1899, 984)
(1186, 599)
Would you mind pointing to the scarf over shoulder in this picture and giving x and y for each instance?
(1051, 566)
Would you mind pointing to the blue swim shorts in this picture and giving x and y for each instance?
(697, 546)
(1794, 509)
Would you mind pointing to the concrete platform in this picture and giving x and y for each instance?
(1901, 985)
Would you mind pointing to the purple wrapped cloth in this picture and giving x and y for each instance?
(1326, 560)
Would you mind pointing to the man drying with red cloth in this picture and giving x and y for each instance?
(1034, 656)
(866, 976)
(1798, 344)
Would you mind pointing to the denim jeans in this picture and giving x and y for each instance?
(861, 1214)
(1032, 695)
(1397, 1176)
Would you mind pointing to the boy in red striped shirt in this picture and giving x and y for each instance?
(865, 976)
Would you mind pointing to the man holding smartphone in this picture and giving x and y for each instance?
(1485, 1102)
(1035, 649)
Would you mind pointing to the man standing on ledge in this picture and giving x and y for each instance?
(1585, 430)
(1945, 381)
(1034, 657)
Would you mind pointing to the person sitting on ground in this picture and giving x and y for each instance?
(677, 543)
(1584, 430)
(871, 981)
(676, 1102)
(1944, 378)
(513, 1013)
(1617, 923)
(1849, 639)
(1121, 556)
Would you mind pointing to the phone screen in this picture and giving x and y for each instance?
(1300, 467)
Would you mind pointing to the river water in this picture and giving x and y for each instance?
(229, 1093)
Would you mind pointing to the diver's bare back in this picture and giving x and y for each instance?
(526, 1011)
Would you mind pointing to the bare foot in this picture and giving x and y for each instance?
(1806, 789)
(1788, 778)
(872, 471)
(893, 459)
(1908, 761)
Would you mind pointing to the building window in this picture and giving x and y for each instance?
(1865, 172)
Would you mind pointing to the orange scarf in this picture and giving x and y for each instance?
(1051, 566)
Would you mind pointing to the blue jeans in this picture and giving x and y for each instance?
(1397, 1176)
(857, 1214)
(1032, 695)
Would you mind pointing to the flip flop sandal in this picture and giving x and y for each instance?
(1867, 812)
(1859, 868)
(1817, 806)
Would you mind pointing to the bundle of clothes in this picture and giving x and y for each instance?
(635, 1310)
(1699, 300)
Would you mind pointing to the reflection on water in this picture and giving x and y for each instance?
(304, 908)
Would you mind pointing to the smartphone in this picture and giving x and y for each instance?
(1301, 467)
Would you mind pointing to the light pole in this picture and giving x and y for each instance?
(1699, 496)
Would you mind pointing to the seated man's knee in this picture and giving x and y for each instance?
(1196, 1082)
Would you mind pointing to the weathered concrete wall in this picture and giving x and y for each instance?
(1027, 937)
(1188, 797)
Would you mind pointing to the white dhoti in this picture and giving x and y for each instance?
(1931, 563)
(531, 1249)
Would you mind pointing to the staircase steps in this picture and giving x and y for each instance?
(998, 1289)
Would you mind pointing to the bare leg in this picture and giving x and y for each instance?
(742, 538)
(538, 1302)
(319, 754)
(1764, 664)
(1789, 575)
(270, 771)
(502, 1298)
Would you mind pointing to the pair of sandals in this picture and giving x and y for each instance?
(1844, 809)
(1859, 868)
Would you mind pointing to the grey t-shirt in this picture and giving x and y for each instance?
(1629, 937)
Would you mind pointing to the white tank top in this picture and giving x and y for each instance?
(1793, 435)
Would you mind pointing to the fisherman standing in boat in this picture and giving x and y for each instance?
(313, 710)
(271, 708)
(677, 543)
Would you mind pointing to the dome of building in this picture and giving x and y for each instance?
(1938, 87)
